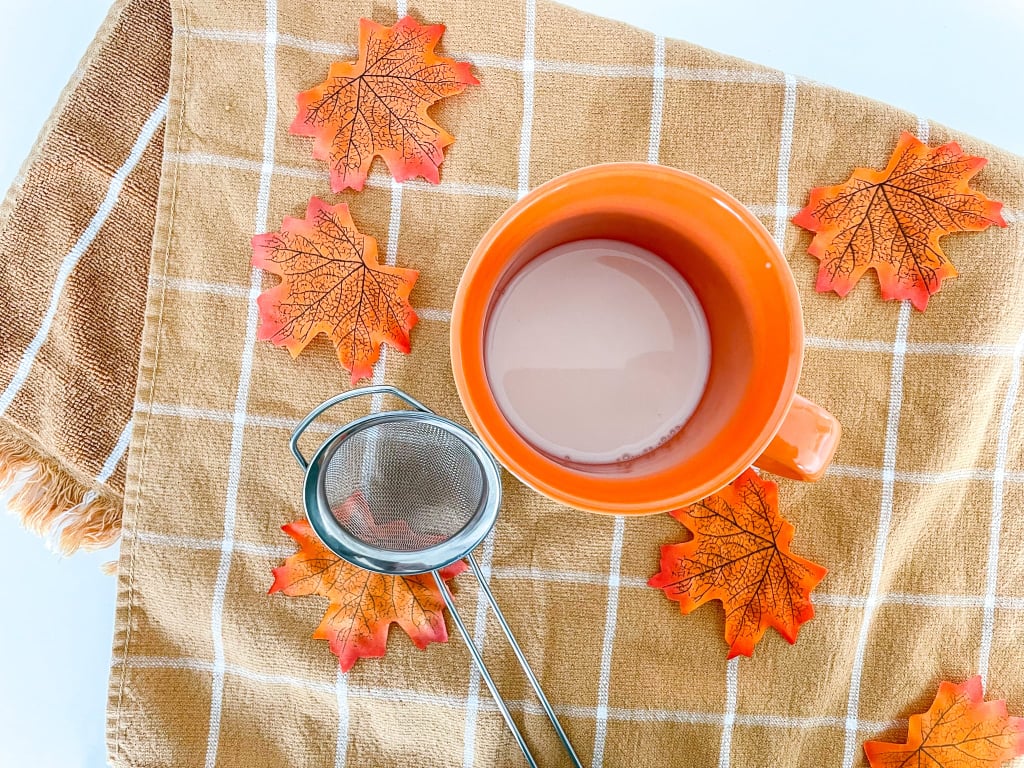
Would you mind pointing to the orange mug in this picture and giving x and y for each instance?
(749, 412)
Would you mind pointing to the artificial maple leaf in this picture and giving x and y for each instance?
(331, 283)
(891, 221)
(959, 730)
(739, 554)
(363, 604)
(378, 105)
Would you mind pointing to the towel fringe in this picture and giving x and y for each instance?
(52, 503)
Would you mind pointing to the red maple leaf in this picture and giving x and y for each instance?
(332, 283)
(739, 555)
(891, 221)
(378, 105)
(959, 730)
(362, 604)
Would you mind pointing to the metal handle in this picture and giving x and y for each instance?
(486, 675)
(376, 389)
(479, 659)
(549, 711)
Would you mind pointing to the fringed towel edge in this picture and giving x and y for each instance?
(52, 503)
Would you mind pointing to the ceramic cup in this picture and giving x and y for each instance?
(749, 413)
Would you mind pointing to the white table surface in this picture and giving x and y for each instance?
(962, 64)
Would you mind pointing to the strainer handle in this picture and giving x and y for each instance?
(485, 674)
(382, 389)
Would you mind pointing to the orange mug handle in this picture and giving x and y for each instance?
(805, 445)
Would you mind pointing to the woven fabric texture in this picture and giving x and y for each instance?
(918, 522)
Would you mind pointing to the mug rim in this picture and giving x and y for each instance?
(595, 492)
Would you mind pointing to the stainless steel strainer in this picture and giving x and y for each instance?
(407, 492)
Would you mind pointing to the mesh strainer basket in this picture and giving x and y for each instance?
(407, 492)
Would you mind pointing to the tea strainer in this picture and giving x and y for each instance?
(430, 493)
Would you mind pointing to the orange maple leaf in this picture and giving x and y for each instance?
(891, 221)
(378, 105)
(959, 730)
(331, 283)
(739, 554)
(363, 604)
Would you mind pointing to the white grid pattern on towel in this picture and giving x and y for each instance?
(528, 64)
(145, 136)
(815, 342)
(837, 470)
(852, 725)
(390, 259)
(882, 531)
(341, 701)
(785, 154)
(75, 253)
(583, 579)
(479, 633)
(912, 348)
(732, 670)
(120, 448)
(379, 375)
(376, 179)
(608, 640)
(503, 62)
(996, 522)
(887, 475)
(379, 179)
(657, 75)
(726, 720)
(244, 380)
(657, 100)
(528, 706)
(899, 353)
(523, 186)
(376, 406)
(109, 465)
(185, 285)
(732, 684)
(527, 69)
